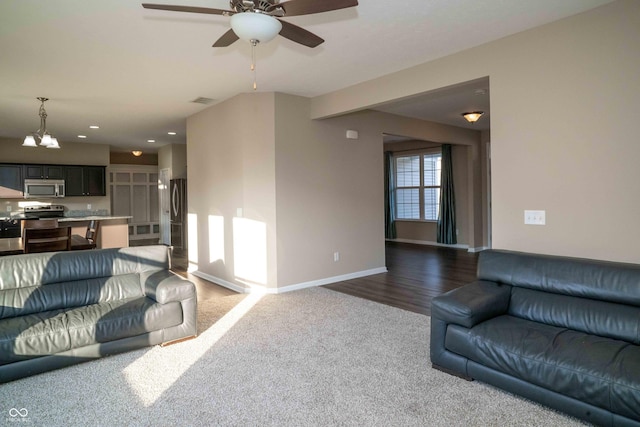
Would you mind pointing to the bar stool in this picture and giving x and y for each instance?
(89, 240)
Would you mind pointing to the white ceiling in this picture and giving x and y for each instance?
(134, 72)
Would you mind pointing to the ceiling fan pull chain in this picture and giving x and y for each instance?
(253, 62)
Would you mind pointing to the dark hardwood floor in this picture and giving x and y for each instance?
(416, 274)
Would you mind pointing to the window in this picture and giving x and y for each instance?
(418, 186)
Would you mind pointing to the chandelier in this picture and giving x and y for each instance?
(45, 138)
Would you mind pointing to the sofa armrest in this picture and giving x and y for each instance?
(472, 303)
(165, 286)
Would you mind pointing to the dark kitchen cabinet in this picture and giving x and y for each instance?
(44, 171)
(85, 181)
(11, 181)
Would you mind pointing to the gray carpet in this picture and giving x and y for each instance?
(307, 358)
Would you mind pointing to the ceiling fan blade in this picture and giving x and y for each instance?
(306, 7)
(191, 9)
(299, 35)
(227, 38)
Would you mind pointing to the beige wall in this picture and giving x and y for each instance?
(231, 191)
(305, 190)
(126, 158)
(12, 151)
(563, 138)
(174, 158)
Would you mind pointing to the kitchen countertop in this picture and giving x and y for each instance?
(75, 218)
(92, 217)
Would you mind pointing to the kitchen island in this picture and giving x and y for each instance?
(113, 232)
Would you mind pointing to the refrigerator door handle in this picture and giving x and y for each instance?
(174, 200)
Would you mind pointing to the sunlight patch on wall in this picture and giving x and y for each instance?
(216, 238)
(192, 224)
(250, 250)
(158, 369)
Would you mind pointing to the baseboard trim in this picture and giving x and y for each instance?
(429, 243)
(219, 281)
(329, 280)
(289, 288)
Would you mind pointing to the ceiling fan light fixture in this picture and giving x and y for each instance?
(473, 116)
(256, 26)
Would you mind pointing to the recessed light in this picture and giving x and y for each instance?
(151, 140)
(82, 136)
(94, 127)
(171, 133)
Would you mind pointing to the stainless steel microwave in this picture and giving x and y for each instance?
(43, 188)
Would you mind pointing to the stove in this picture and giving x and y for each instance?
(49, 211)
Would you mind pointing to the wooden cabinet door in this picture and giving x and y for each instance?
(74, 181)
(94, 178)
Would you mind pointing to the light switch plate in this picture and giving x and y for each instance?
(535, 217)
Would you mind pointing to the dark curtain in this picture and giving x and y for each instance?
(447, 216)
(389, 197)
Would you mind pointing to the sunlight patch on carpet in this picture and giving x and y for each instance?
(170, 362)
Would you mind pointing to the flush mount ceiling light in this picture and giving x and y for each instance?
(45, 138)
(137, 153)
(473, 116)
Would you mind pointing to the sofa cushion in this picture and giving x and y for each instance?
(42, 269)
(601, 280)
(55, 331)
(35, 299)
(590, 368)
(606, 319)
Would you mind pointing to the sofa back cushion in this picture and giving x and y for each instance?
(605, 319)
(599, 280)
(40, 282)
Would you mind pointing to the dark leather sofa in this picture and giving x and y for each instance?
(62, 308)
(564, 332)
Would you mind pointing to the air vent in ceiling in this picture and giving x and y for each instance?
(202, 100)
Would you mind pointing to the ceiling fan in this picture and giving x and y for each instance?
(258, 21)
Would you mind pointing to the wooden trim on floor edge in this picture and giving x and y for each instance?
(289, 288)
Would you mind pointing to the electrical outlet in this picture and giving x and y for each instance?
(535, 217)
(89, 206)
(336, 256)
(8, 208)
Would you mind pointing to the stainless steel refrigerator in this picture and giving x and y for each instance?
(178, 200)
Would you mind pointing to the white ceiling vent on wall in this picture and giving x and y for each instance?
(203, 100)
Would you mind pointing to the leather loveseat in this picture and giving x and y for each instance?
(564, 332)
(62, 308)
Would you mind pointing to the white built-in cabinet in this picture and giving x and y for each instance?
(134, 192)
